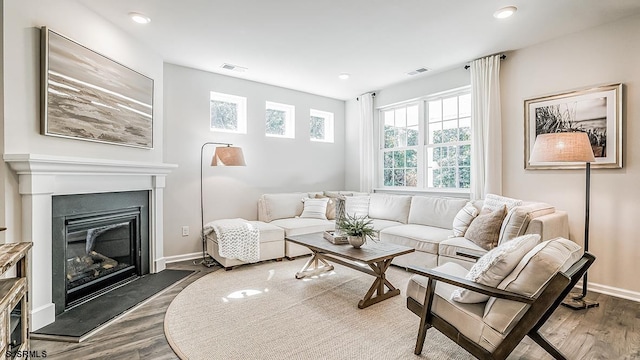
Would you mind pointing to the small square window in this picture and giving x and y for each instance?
(228, 113)
(280, 120)
(321, 126)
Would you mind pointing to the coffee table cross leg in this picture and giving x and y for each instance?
(378, 286)
(313, 267)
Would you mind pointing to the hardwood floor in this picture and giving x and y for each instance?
(610, 331)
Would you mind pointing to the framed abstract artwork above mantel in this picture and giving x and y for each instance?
(88, 96)
(596, 111)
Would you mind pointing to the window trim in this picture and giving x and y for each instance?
(329, 125)
(423, 144)
(241, 103)
(290, 119)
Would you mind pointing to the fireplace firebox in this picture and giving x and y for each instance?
(102, 250)
(100, 241)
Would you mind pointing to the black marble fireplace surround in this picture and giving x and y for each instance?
(99, 242)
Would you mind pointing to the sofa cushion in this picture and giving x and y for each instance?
(334, 194)
(379, 224)
(494, 202)
(530, 275)
(434, 211)
(463, 219)
(485, 228)
(465, 317)
(518, 218)
(283, 206)
(420, 237)
(494, 266)
(315, 209)
(299, 226)
(331, 206)
(451, 246)
(389, 207)
(357, 206)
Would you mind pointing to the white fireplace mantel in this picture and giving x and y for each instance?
(43, 176)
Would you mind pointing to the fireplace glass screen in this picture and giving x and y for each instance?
(101, 251)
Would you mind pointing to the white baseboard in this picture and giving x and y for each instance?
(613, 291)
(183, 257)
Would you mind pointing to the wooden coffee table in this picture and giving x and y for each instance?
(376, 255)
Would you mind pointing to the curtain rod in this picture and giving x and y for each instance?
(372, 94)
(502, 57)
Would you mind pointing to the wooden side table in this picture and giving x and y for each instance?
(14, 307)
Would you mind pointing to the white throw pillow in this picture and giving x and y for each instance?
(518, 218)
(463, 219)
(357, 206)
(315, 208)
(494, 266)
(494, 202)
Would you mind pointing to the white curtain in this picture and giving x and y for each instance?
(486, 140)
(367, 155)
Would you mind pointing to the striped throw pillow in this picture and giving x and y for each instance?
(463, 219)
(315, 208)
(493, 202)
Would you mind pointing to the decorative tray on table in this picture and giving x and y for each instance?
(335, 237)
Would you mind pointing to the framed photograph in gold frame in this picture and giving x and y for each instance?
(596, 111)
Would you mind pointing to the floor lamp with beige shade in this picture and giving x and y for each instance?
(569, 147)
(223, 156)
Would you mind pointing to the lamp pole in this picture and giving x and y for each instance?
(586, 225)
(206, 262)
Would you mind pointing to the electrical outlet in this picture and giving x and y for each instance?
(185, 231)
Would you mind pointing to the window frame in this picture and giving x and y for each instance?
(290, 119)
(424, 145)
(329, 125)
(417, 148)
(241, 106)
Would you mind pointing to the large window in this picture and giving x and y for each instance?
(280, 120)
(401, 146)
(427, 143)
(228, 113)
(321, 126)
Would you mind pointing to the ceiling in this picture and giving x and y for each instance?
(304, 45)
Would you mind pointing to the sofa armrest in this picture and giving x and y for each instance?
(470, 285)
(550, 226)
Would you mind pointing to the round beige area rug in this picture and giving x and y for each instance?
(262, 311)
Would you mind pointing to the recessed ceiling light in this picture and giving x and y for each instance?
(343, 76)
(505, 12)
(139, 18)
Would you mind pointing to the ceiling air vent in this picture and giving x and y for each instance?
(418, 71)
(233, 67)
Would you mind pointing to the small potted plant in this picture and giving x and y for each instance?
(357, 229)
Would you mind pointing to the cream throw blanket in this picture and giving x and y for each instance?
(237, 239)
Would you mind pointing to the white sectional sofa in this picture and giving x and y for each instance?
(422, 222)
(426, 224)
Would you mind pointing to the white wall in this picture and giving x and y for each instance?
(273, 164)
(21, 70)
(603, 55)
(422, 86)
